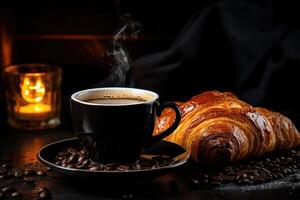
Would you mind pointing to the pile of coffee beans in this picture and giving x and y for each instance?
(27, 175)
(254, 171)
(79, 159)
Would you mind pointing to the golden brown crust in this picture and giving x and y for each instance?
(219, 128)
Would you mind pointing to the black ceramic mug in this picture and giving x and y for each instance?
(116, 123)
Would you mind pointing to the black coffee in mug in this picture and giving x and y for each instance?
(114, 101)
(116, 123)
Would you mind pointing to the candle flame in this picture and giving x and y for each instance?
(33, 88)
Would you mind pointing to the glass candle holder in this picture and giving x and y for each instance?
(33, 95)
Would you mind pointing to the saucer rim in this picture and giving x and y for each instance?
(65, 169)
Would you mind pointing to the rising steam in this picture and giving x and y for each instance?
(119, 56)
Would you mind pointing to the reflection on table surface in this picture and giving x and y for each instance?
(22, 147)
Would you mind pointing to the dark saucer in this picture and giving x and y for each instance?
(179, 156)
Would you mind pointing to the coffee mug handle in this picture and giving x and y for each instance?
(172, 128)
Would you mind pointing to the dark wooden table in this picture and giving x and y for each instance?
(22, 147)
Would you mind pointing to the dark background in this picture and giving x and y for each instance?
(75, 35)
(251, 48)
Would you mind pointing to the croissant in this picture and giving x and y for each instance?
(218, 128)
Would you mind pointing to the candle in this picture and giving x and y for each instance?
(34, 111)
(33, 96)
(33, 92)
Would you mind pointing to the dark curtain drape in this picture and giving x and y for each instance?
(251, 48)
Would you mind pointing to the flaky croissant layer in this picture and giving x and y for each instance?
(219, 128)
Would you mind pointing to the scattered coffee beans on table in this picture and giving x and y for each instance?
(79, 159)
(28, 176)
(254, 171)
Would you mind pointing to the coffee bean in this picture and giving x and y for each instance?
(3, 171)
(227, 168)
(82, 164)
(59, 158)
(123, 167)
(293, 151)
(137, 166)
(16, 195)
(29, 172)
(18, 174)
(265, 170)
(230, 172)
(65, 162)
(294, 166)
(3, 176)
(148, 163)
(255, 173)
(73, 158)
(8, 189)
(71, 150)
(95, 168)
(92, 164)
(28, 179)
(6, 165)
(277, 165)
(127, 196)
(41, 173)
(42, 189)
(81, 159)
(205, 181)
(244, 175)
(285, 171)
(58, 163)
(110, 166)
(84, 152)
(44, 195)
(193, 184)
(71, 166)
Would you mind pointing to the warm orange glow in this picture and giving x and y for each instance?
(33, 88)
(35, 108)
(33, 91)
(33, 95)
(29, 149)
